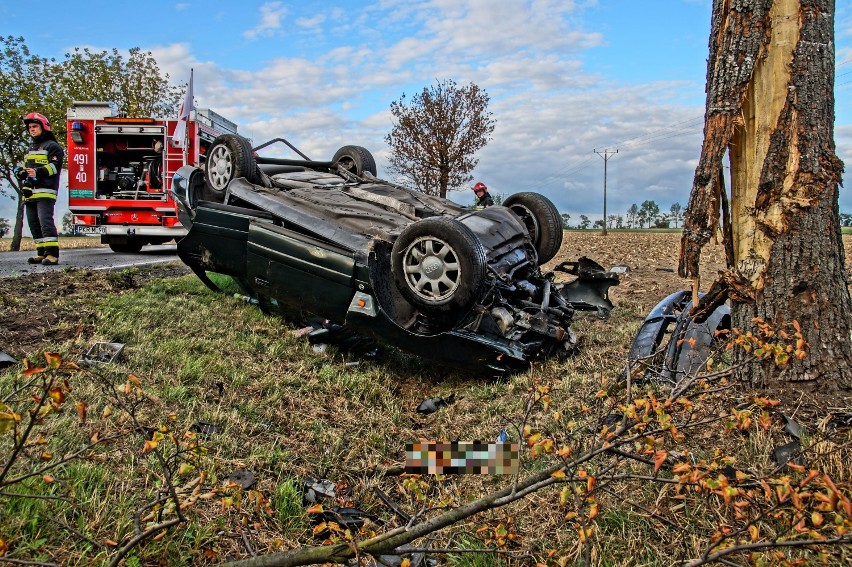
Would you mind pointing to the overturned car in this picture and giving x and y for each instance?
(460, 286)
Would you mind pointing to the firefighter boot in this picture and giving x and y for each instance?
(35, 260)
(50, 261)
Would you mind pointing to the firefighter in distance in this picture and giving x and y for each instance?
(39, 178)
(483, 197)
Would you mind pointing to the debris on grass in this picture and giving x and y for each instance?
(434, 404)
(102, 353)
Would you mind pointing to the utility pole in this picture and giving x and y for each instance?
(605, 154)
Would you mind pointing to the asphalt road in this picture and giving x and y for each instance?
(14, 264)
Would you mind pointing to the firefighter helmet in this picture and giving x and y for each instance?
(37, 117)
(479, 187)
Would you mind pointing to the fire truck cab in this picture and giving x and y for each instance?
(120, 169)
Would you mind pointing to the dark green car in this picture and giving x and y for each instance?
(456, 285)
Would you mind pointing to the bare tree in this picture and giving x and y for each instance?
(632, 215)
(770, 103)
(436, 135)
(676, 211)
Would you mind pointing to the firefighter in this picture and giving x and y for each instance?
(40, 187)
(483, 198)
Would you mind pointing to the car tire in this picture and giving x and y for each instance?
(229, 157)
(439, 265)
(355, 159)
(542, 220)
(130, 246)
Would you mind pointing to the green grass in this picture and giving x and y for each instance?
(286, 412)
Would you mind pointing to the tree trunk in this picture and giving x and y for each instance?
(18, 230)
(770, 102)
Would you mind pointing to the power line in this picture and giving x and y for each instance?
(605, 154)
(680, 128)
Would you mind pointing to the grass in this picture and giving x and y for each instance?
(65, 242)
(286, 412)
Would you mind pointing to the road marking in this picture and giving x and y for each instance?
(134, 264)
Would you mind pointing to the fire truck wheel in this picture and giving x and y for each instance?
(229, 157)
(129, 246)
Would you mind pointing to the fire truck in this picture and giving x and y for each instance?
(120, 169)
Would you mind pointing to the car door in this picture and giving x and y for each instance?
(302, 272)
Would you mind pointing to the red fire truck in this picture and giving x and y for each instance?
(120, 169)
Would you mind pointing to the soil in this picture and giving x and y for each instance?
(39, 309)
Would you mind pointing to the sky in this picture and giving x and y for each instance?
(568, 80)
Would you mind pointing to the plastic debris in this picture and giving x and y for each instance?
(244, 478)
(434, 404)
(620, 269)
(503, 437)
(102, 353)
(205, 429)
(792, 428)
(317, 489)
(347, 518)
(789, 453)
(6, 360)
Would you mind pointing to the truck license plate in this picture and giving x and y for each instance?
(83, 229)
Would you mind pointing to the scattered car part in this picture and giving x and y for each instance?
(242, 477)
(346, 517)
(102, 353)
(460, 286)
(434, 404)
(792, 428)
(205, 429)
(789, 453)
(316, 490)
(670, 344)
(6, 360)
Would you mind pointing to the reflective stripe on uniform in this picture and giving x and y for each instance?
(36, 157)
(39, 158)
(42, 193)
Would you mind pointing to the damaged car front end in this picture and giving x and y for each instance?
(459, 286)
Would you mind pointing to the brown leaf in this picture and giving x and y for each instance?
(659, 459)
(53, 359)
(82, 411)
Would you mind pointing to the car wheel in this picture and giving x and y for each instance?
(130, 246)
(229, 157)
(439, 264)
(542, 220)
(355, 159)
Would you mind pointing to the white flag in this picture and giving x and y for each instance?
(186, 107)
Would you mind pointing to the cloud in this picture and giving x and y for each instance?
(182, 6)
(312, 22)
(551, 111)
(271, 14)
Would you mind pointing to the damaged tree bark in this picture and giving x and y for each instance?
(770, 104)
